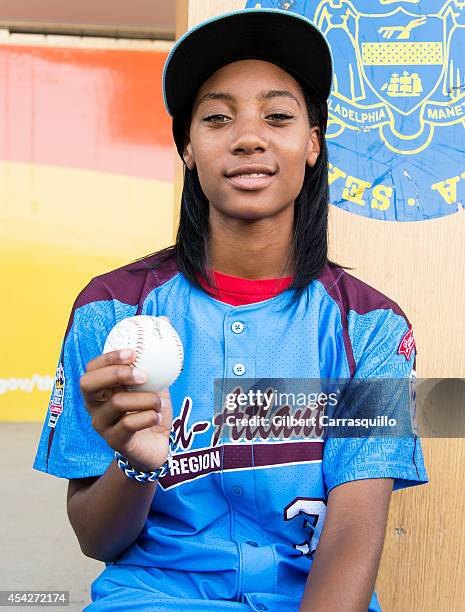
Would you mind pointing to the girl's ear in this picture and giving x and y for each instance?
(314, 146)
(188, 156)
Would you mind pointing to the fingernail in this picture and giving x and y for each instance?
(164, 403)
(139, 375)
(125, 354)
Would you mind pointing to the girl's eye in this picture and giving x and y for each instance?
(216, 118)
(224, 119)
(280, 116)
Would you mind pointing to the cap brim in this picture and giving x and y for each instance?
(284, 38)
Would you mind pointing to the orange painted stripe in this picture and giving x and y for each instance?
(95, 109)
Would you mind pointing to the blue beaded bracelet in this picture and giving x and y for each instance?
(130, 472)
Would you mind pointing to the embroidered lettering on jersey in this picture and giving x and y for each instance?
(185, 435)
(56, 401)
(193, 464)
(183, 467)
(407, 344)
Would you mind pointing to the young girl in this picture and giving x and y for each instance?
(278, 523)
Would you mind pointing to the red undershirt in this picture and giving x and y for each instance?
(236, 291)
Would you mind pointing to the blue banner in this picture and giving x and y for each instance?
(396, 130)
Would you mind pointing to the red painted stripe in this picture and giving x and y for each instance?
(94, 109)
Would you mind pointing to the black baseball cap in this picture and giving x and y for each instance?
(284, 38)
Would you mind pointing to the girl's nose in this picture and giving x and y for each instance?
(249, 138)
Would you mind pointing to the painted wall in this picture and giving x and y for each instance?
(86, 185)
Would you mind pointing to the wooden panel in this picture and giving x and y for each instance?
(419, 265)
(182, 16)
(199, 11)
(423, 562)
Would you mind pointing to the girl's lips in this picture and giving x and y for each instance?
(252, 183)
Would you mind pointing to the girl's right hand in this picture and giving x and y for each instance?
(135, 423)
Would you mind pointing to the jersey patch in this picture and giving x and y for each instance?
(56, 401)
(407, 344)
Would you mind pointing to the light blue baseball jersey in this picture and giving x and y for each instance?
(233, 525)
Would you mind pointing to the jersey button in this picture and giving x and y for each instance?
(237, 491)
(252, 543)
(237, 327)
(261, 606)
(239, 369)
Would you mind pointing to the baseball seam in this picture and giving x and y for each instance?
(138, 348)
(139, 342)
(178, 344)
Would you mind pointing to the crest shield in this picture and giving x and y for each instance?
(402, 57)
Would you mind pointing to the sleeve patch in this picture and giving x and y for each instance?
(56, 401)
(407, 344)
(413, 401)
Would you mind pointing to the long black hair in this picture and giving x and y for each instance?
(309, 251)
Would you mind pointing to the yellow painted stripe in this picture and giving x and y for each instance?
(59, 227)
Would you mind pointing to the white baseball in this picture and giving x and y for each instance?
(158, 349)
